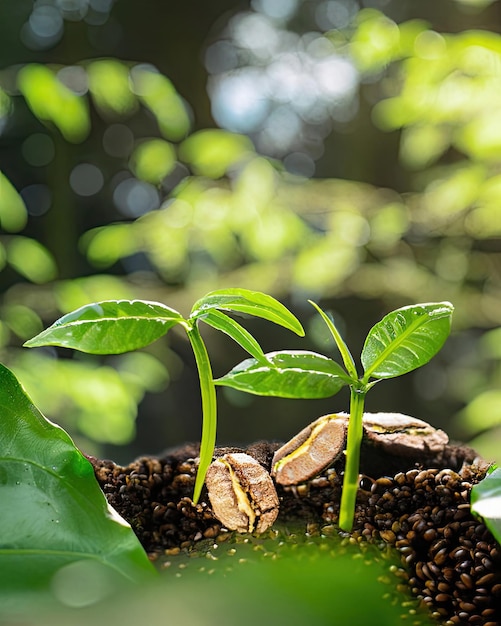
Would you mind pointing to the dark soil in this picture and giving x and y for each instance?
(420, 505)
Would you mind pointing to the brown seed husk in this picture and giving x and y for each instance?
(310, 451)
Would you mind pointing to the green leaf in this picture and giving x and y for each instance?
(31, 259)
(51, 101)
(486, 502)
(53, 512)
(153, 160)
(233, 329)
(296, 577)
(406, 339)
(288, 374)
(249, 302)
(209, 408)
(212, 152)
(109, 327)
(109, 84)
(13, 213)
(348, 361)
(158, 94)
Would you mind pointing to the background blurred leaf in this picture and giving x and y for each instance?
(13, 215)
(109, 84)
(31, 259)
(22, 320)
(106, 245)
(98, 402)
(157, 93)
(483, 412)
(212, 152)
(51, 101)
(363, 174)
(153, 160)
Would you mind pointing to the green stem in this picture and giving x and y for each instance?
(352, 468)
(209, 408)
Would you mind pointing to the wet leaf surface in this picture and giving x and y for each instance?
(53, 513)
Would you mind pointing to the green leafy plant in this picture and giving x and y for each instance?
(117, 326)
(401, 342)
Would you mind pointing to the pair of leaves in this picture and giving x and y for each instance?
(117, 326)
(53, 514)
(401, 342)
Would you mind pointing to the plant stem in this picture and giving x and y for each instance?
(209, 407)
(351, 472)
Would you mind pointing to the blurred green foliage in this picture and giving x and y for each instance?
(297, 579)
(119, 193)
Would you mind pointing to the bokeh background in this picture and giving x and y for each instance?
(339, 150)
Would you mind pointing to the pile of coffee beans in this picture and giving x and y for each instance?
(449, 559)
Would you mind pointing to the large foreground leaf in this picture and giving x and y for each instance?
(109, 327)
(405, 339)
(274, 579)
(52, 511)
(288, 374)
(486, 502)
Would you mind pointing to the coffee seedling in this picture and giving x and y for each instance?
(117, 326)
(401, 342)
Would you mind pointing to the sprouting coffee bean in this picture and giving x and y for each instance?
(310, 451)
(242, 493)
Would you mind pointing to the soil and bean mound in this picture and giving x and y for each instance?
(420, 506)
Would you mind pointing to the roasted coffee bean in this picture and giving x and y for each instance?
(485, 580)
(459, 553)
(441, 556)
(442, 597)
(435, 569)
(467, 580)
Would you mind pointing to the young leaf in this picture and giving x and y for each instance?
(406, 339)
(109, 327)
(209, 408)
(53, 512)
(486, 502)
(249, 302)
(348, 361)
(288, 374)
(233, 329)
